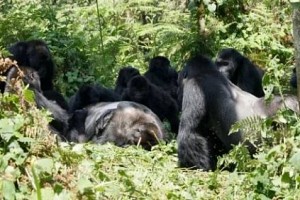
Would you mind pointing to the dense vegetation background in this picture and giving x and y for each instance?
(90, 41)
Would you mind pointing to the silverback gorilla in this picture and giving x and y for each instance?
(211, 105)
(240, 71)
(122, 123)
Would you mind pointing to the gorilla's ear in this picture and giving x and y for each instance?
(103, 120)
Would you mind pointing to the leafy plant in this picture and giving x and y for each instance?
(90, 41)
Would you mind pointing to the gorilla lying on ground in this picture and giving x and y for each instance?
(240, 71)
(211, 105)
(122, 123)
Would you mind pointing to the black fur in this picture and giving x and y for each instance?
(57, 97)
(161, 74)
(91, 94)
(122, 123)
(211, 105)
(293, 80)
(161, 103)
(240, 71)
(125, 74)
(35, 54)
(181, 76)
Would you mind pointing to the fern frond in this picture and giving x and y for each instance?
(252, 127)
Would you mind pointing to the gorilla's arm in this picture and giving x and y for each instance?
(57, 97)
(58, 113)
(61, 117)
(192, 146)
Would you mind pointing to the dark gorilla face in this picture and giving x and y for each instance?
(124, 76)
(128, 73)
(138, 88)
(160, 65)
(39, 55)
(144, 134)
(32, 78)
(227, 61)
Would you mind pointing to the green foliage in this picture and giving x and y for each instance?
(274, 171)
(23, 131)
(90, 41)
(88, 47)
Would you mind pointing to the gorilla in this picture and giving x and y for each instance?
(57, 97)
(122, 123)
(293, 80)
(181, 75)
(211, 105)
(240, 71)
(161, 74)
(91, 94)
(13, 72)
(140, 90)
(125, 74)
(35, 54)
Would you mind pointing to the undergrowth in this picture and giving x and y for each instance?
(90, 42)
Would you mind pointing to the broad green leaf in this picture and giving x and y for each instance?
(63, 195)
(29, 95)
(47, 193)
(295, 160)
(84, 184)
(10, 126)
(8, 189)
(44, 165)
(285, 177)
(212, 7)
